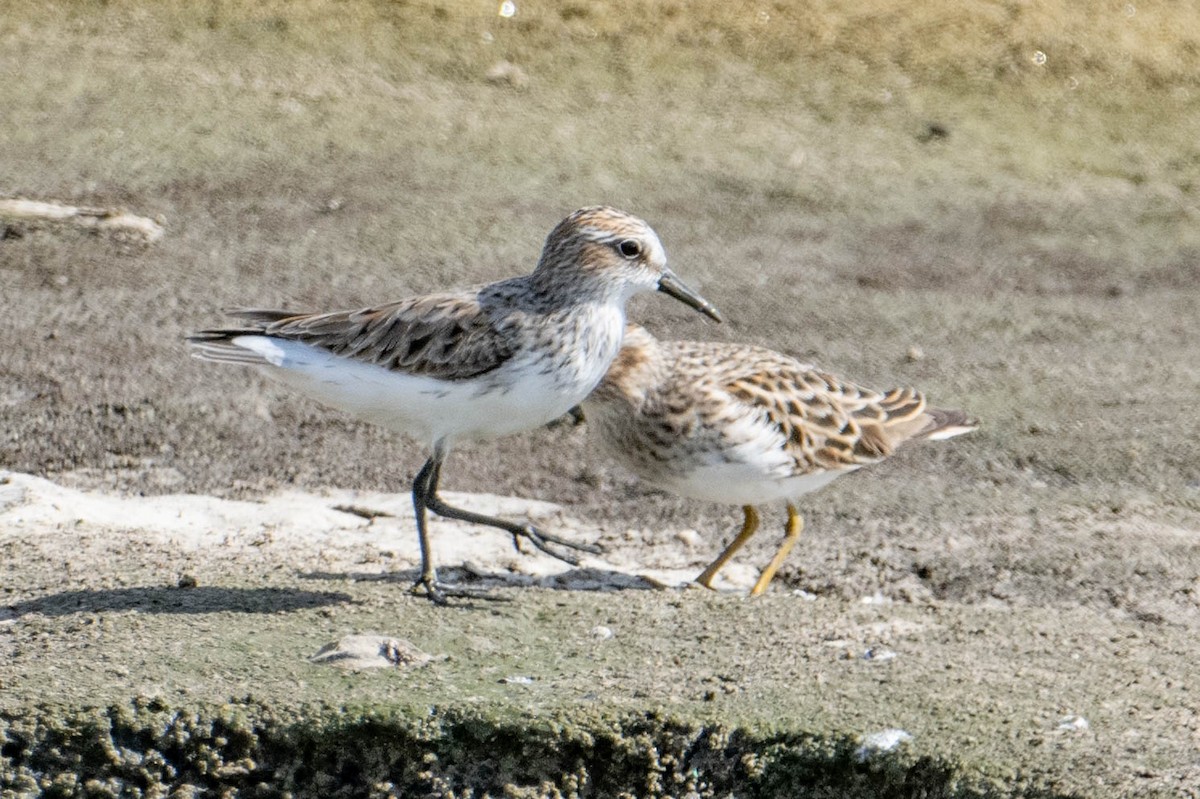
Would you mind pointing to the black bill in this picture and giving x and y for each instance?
(672, 286)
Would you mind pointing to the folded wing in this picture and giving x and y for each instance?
(445, 336)
(832, 424)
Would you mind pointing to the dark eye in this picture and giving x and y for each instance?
(630, 248)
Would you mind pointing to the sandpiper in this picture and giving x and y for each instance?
(477, 363)
(745, 425)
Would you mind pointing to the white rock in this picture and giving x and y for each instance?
(881, 742)
(1073, 723)
(876, 598)
(517, 679)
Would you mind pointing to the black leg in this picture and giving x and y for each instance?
(536, 537)
(539, 539)
(424, 494)
(420, 493)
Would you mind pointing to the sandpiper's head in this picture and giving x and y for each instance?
(618, 250)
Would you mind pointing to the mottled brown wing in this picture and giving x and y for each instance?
(828, 423)
(446, 336)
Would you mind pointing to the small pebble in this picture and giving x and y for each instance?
(1073, 723)
(876, 598)
(507, 72)
(517, 679)
(601, 632)
(689, 538)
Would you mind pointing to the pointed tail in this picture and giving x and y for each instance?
(945, 424)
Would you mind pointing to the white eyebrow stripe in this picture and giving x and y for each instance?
(653, 247)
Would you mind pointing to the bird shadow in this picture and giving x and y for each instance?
(577, 579)
(162, 599)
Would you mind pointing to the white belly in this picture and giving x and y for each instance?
(743, 461)
(507, 401)
(742, 484)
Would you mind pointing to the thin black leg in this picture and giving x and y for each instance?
(517, 530)
(420, 493)
(424, 494)
(425, 497)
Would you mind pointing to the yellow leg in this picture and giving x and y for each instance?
(748, 527)
(791, 535)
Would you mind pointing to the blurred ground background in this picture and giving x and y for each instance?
(996, 202)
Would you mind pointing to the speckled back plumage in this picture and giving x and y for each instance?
(672, 410)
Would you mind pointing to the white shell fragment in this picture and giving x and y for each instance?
(516, 679)
(881, 742)
(876, 598)
(357, 652)
(1073, 723)
(878, 654)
